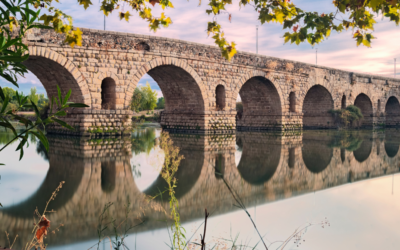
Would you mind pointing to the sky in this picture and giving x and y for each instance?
(190, 22)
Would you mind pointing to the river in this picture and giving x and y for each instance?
(344, 183)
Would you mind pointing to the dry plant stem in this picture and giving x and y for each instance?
(11, 245)
(32, 244)
(242, 206)
(203, 244)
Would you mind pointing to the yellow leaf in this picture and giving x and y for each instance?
(279, 16)
(366, 43)
(127, 15)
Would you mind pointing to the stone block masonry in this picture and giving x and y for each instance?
(200, 87)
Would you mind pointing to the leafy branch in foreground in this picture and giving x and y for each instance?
(17, 18)
(35, 128)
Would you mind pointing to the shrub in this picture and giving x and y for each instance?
(347, 116)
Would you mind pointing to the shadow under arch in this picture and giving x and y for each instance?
(391, 149)
(61, 169)
(259, 161)
(316, 152)
(51, 73)
(188, 173)
(363, 102)
(179, 88)
(261, 103)
(316, 105)
(364, 151)
(392, 110)
(392, 142)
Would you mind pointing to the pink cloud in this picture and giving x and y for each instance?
(190, 21)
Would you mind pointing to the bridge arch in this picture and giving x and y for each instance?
(316, 105)
(262, 101)
(180, 84)
(364, 103)
(392, 110)
(108, 89)
(52, 69)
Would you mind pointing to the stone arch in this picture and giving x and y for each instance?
(392, 110)
(53, 69)
(220, 97)
(316, 105)
(343, 106)
(108, 93)
(109, 77)
(363, 102)
(257, 73)
(262, 102)
(182, 87)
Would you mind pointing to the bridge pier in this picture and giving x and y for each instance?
(89, 122)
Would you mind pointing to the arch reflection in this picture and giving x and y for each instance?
(188, 171)
(260, 158)
(392, 142)
(364, 151)
(317, 153)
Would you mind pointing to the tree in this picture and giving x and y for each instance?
(137, 98)
(150, 97)
(161, 103)
(33, 97)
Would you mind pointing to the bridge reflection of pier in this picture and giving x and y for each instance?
(271, 167)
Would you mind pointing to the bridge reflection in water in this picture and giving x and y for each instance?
(272, 166)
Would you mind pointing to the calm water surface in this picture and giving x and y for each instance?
(285, 180)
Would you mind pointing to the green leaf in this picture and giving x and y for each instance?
(21, 154)
(5, 104)
(67, 97)
(64, 124)
(51, 105)
(2, 96)
(14, 58)
(35, 109)
(42, 138)
(60, 100)
(61, 113)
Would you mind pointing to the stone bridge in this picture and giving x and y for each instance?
(199, 86)
(271, 167)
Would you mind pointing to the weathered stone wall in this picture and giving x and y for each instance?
(189, 73)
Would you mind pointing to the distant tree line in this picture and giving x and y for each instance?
(40, 100)
(144, 98)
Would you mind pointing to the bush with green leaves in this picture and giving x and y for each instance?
(347, 116)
